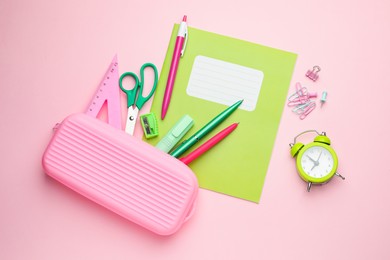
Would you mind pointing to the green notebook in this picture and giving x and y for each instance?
(215, 72)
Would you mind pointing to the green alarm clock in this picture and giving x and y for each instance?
(317, 161)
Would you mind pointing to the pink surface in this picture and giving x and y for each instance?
(52, 57)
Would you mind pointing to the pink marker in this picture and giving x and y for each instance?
(178, 52)
(209, 144)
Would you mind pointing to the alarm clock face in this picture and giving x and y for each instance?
(318, 162)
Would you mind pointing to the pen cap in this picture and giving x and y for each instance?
(175, 134)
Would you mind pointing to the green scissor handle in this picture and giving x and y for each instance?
(139, 86)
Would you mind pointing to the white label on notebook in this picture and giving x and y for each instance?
(224, 82)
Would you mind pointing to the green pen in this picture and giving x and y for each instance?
(185, 145)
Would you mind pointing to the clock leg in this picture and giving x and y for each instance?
(339, 175)
(308, 186)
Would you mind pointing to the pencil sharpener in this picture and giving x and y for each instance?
(149, 125)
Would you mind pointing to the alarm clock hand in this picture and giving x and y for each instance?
(311, 159)
(318, 160)
(315, 164)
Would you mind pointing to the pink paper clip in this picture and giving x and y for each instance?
(313, 74)
(300, 108)
(296, 102)
(303, 92)
(301, 96)
(308, 109)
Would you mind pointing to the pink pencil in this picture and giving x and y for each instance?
(208, 144)
(177, 53)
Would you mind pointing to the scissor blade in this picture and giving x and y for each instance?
(132, 114)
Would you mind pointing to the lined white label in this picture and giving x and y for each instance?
(224, 82)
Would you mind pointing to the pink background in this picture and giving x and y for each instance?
(53, 54)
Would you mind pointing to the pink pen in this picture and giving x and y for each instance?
(208, 144)
(178, 52)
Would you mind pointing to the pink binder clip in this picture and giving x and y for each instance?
(313, 74)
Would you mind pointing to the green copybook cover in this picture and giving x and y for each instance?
(237, 166)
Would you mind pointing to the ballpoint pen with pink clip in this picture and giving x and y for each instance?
(178, 52)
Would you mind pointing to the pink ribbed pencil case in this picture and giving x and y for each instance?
(121, 173)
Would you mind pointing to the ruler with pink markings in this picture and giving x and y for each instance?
(108, 92)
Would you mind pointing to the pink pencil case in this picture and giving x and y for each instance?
(121, 173)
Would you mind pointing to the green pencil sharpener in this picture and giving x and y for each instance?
(149, 125)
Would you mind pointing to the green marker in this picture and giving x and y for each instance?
(185, 145)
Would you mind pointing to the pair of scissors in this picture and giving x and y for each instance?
(135, 98)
